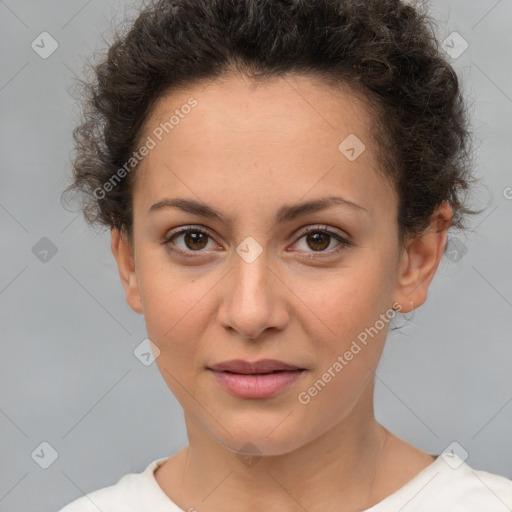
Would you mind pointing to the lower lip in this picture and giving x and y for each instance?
(257, 386)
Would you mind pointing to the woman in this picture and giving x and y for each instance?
(279, 178)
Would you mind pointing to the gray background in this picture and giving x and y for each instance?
(69, 375)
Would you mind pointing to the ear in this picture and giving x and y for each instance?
(420, 259)
(125, 263)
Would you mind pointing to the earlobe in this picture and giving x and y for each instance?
(126, 267)
(420, 260)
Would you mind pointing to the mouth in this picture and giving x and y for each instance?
(262, 367)
(261, 379)
(262, 373)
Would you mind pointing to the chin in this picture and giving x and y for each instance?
(256, 439)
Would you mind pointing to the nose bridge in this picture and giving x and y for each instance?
(253, 302)
(251, 274)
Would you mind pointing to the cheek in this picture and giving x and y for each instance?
(330, 396)
(348, 352)
(354, 308)
(179, 305)
(176, 317)
(354, 297)
(171, 301)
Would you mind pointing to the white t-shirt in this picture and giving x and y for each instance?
(446, 485)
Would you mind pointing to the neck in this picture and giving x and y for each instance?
(337, 467)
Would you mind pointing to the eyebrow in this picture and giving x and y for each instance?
(285, 213)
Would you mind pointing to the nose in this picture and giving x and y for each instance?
(254, 299)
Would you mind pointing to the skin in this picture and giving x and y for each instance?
(248, 150)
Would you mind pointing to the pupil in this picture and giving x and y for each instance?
(316, 239)
(194, 238)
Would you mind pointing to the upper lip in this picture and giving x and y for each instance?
(246, 367)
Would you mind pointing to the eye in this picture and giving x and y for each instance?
(193, 240)
(318, 238)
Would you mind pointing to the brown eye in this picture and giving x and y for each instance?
(195, 240)
(318, 241)
(188, 240)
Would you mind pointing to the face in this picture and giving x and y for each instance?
(264, 278)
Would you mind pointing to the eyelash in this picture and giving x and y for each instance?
(343, 242)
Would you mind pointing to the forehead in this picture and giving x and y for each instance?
(287, 135)
(273, 106)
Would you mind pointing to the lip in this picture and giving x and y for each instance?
(246, 367)
(260, 379)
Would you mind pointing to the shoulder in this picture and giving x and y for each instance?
(451, 485)
(132, 492)
(469, 489)
(113, 498)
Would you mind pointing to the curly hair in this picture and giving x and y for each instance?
(385, 50)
